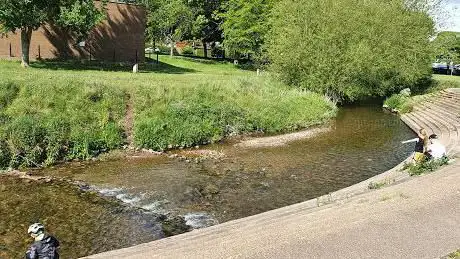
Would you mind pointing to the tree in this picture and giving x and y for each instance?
(447, 46)
(28, 15)
(207, 22)
(169, 20)
(246, 25)
(351, 49)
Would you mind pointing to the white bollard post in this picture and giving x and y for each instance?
(136, 68)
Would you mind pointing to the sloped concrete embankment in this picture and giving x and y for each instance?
(407, 219)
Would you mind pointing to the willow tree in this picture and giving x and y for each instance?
(350, 49)
(28, 15)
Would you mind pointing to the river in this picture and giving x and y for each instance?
(242, 181)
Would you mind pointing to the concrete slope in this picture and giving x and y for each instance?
(411, 217)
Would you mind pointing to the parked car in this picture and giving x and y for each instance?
(149, 50)
(440, 68)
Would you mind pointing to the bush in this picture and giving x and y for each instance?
(399, 103)
(188, 51)
(346, 49)
(426, 166)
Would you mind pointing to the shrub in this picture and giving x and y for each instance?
(426, 166)
(400, 103)
(188, 51)
(346, 49)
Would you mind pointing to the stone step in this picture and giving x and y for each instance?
(448, 118)
(450, 144)
(453, 108)
(438, 116)
(442, 107)
(450, 94)
(422, 122)
(455, 104)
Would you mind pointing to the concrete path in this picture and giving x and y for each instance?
(413, 217)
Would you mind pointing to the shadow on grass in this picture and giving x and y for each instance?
(162, 67)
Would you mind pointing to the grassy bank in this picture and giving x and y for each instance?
(62, 111)
(404, 104)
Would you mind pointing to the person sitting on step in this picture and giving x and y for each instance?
(420, 145)
(435, 149)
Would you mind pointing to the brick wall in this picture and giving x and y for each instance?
(118, 38)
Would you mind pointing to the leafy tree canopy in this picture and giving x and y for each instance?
(350, 49)
(28, 15)
(447, 46)
(246, 25)
(168, 20)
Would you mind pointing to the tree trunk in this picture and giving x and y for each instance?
(172, 47)
(26, 36)
(205, 49)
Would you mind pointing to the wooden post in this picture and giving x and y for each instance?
(136, 57)
(39, 53)
(11, 53)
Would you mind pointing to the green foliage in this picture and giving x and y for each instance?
(58, 115)
(447, 47)
(206, 23)
(28, 15)
(454, 255)
(7, 94)
(426, 166)
(375, 186)
(49, 121)
(80, 17)
(209, 112)
(350, 49)
(246, 25)
(168, 20)
(400, 103)
(5, 155)
(187, 50)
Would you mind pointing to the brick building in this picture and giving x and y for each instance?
(119, 38)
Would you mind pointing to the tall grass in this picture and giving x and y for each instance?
(209, 111)
(61, 119)
(52, 112)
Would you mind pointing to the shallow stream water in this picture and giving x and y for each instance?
(363, 142)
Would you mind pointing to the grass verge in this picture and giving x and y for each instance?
(404, 104)
(62, 111)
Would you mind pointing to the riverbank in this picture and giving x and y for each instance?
(403, 103)
(60, 112)
(239, 181)
(402, 218)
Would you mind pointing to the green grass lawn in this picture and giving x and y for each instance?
(57, 111)
(448, 81)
